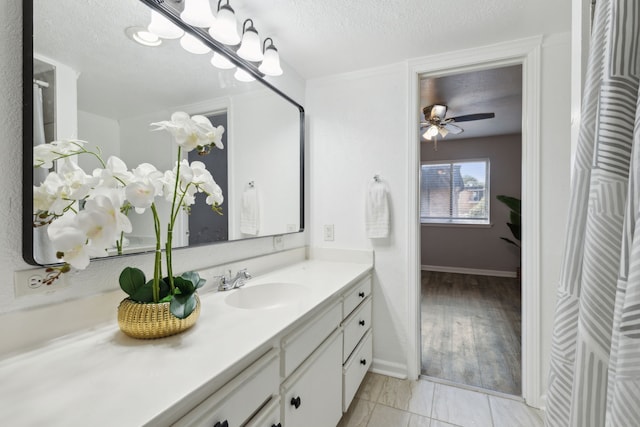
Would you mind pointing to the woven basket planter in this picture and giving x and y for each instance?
(147, 321)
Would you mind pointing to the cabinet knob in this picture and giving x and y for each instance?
(221, 424)
(363, 361)
(361, 322)
(295, 401)
(361, 294)
(276, 425)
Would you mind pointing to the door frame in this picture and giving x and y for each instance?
(525, 52)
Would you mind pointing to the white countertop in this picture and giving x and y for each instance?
(102, 377)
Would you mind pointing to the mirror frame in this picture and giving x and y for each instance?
(27, 121)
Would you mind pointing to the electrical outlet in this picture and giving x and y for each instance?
(34, 281)
(328, 232)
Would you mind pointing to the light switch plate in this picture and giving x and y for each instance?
(328, 232)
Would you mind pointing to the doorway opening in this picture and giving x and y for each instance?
(470, 295)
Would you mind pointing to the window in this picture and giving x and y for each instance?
(455, 192)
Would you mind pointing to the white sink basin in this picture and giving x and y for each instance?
(267, 295)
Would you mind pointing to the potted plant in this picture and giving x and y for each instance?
(515, 217)
(86, 214)
(514, 224)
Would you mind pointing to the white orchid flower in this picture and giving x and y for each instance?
(68, 238)
(109, 202)
(141, 195)
(115, 173)
(45, 154)
(191, 132)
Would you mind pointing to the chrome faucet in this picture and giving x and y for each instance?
(226, 282)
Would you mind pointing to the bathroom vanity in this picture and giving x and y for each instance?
(290, 348)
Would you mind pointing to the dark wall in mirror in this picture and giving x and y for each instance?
(84, 78)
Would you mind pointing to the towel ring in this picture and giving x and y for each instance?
(251, 184)
(376, 178)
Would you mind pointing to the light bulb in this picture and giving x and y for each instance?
(431, 132)
(193, 45)
(250, 48)
(243, 76)
(141, 36)
(271, 62)
(164, 28)
(225, 29)
(220, 61)
(197, 13)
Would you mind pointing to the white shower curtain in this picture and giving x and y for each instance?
(43, 252)
(594, 378)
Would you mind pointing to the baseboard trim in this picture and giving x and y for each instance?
(390, 369)
(462, 270)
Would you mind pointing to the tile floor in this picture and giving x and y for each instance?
(383, 401)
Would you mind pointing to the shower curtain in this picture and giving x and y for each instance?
(594, 377)
(42, 250)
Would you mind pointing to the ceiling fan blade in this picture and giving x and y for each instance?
(472, 117)
(453, 129)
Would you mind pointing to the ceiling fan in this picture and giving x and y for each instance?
(436, 121)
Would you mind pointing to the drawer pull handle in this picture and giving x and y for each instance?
(221, 424)
(363, 361)
(361, 294)
(295, 401)
(361, 322)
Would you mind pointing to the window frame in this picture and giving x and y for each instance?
(484, 222)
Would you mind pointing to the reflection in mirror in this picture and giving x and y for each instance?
(94, 83)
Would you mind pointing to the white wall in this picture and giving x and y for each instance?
(102, 275)
(262, 127)
(358, 127)
(98, 131)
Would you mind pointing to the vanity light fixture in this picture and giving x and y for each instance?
(197, 13)
(243, 76)
(221, 62)
(225, 29)
(141, 36)
(271, 62)
(250, 48)
(193, 45)
(164, 28)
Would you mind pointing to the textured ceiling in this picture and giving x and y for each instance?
(315, 38)
(497, 90)
(320, 38)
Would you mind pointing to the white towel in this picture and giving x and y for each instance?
(250, 212)
(377, 211)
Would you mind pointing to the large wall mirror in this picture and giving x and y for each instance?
(86, 79)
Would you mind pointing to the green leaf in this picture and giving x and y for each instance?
(131, 280)
(510, 241)
(515, 230)
(512, 202)
(182, 305)
(194, 278)
(185, 286)
(145, 292)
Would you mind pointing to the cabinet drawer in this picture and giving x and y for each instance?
(354, 297)
(311, 396)
(355, 369)
(269, 416)
(239, 398)
(299, 344)
(355, 327)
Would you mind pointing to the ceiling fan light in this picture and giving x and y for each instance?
(163, 28)
(197, 13)
(271, 63)
(221, 62)
(193, 45)
(250, 48)
(225, 29)
(443, 132)
(242, 76)
(430, 132)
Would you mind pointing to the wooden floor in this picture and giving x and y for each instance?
(471, 330)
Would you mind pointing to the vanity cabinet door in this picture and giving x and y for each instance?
(311, 396)
(269, 416)
(240, 398)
